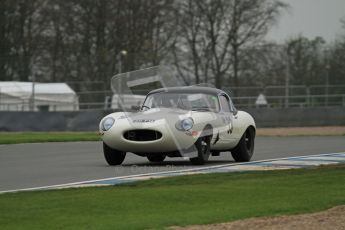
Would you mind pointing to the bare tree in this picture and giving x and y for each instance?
(218, 30)
(21, 27)
(80, 40)
(307, 60)
(337, 59)
(249, 23)
(7, 9)
(191, 47)
(263, 65)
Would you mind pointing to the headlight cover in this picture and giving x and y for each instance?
(185, 124)
(107, 123)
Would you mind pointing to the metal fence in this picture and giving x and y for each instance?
(243, 97)
(246, 97)
(295, 96)
(293, 101)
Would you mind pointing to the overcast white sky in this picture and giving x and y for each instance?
(310, 18)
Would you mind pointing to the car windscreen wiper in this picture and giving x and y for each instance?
(145, 107)
(201, 109)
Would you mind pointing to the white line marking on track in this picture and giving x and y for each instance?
(81, 183)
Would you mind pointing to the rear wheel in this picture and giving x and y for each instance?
(113, 156)
(155, 157)
(243, 152)
(203, 148)
(215, 153)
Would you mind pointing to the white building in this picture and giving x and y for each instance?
(126, 102)
(18, 96)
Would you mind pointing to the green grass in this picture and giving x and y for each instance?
(186, 200)
(36, 137)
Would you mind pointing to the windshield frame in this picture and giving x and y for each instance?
(217, 110)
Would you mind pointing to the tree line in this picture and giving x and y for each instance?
(207, 41)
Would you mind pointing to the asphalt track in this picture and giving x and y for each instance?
(35, 165)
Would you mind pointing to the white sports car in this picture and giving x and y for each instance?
(180, 121)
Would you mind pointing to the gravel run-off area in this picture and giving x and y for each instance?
(303, 131)
(332, 219)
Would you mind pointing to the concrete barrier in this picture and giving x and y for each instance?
(89, 120)
(50, 121)
(298, 117)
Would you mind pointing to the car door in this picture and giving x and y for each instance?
(235, 134)
(226, 117)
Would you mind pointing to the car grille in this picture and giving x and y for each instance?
(142, 135)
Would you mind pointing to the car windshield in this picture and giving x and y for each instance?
(195, 101)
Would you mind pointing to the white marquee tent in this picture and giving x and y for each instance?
(17, 96)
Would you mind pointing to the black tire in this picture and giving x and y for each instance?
(113, 156)
(203, 148)
(244, 150)
(156, 158)
(215, 153)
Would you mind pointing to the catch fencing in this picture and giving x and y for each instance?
(300, 96)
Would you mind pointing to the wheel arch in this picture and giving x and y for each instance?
(244, 130)
(252, 128)
(207, 130)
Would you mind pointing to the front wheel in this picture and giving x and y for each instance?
(203, 148)
(155, 158)
(243, 152)
(113, 156)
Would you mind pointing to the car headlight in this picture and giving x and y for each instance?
(107, 123)
(185, 124)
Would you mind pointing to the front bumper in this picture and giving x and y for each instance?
(171, 139)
